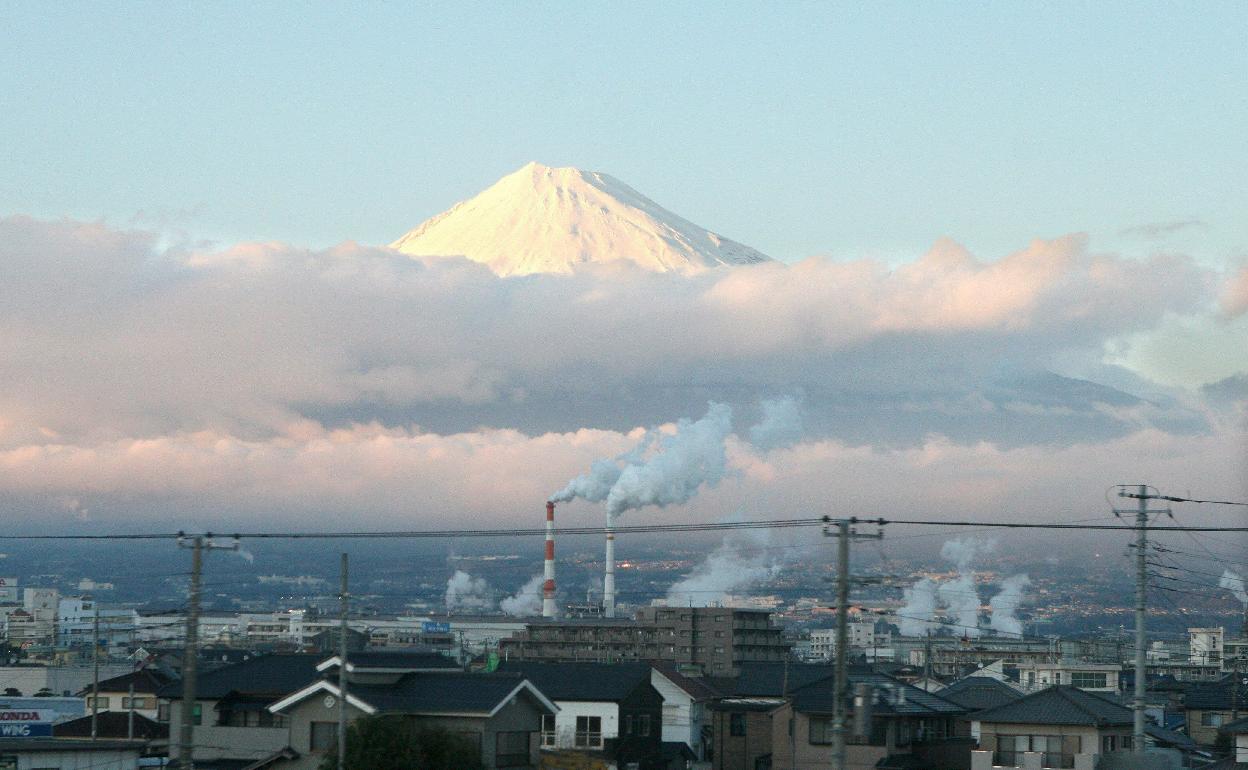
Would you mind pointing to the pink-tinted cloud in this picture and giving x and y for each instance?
(1234, 300)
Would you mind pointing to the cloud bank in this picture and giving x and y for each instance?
(267, 380)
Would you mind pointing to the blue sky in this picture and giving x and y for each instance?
(842, 129)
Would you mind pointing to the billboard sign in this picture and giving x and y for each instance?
(26, 723)
(433, 627)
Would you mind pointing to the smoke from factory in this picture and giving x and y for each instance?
(526, 602)
(1005, 604)
(781, 425)
(960, 598)
(741, 561)
(1235, 584)
(465, 593)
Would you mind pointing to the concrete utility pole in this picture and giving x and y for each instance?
(1142, 496)
(840, 529)
(342, 669)
(190, 653)
(95, 666)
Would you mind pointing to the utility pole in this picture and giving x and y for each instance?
(190, 653)
(130, 715)
(841, 530)
(1142, 496)
(342, 669)
(95, 666)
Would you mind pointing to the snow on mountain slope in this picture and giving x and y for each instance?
(547, 220)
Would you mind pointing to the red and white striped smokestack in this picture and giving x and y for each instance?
(548, 587)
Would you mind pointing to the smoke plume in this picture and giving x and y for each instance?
(527, 602)
(962, 601)
(464, 593)
(781, 425)
(741, 560)
(1005, 605)
(915, 618)
(1235, 584)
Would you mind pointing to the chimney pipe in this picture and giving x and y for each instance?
(548, 587)
(608, 579)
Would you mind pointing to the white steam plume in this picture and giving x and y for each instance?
(960, 597)
(741, 561)
(466, 593)
(683, 462)
(915, 618)
(963, 550)
(527, 602)
(1235, 584)
(781, 425)
(1005, 605)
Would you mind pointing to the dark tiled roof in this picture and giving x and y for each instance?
(1238, 726)
(145, 681)
(450, 693)
(583, 681)
(699, 687)
(399, 659)
(1059, 705)
(1166, 737)
(15, 745)
(773, 679)
(112, 724)
(892, 697)
(980, 692)
(1215, 695)
(275, 675)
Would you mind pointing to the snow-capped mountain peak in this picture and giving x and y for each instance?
(547, 220)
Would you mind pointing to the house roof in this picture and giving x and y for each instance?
(699, 688)
(893, 697)
(454, 693)
(112, 724)
(1165, 737)
(772, 679)
(396, 661)
(1215, 695)
(583, 681)
(21, 745)
(980, 692)
(1239, 726)
(146, 681)
(1059, 705)
(264, 675)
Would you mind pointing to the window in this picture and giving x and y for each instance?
(137, 703)
(162, 712)
(548, 731)
(643, 725)
(101, 702)
(511, 749)
(1211, 718)
(1088, 679)
(589, 732)
(1055, 751)
(322, 736)
(628, 724)
(197, 714)
(1108, 744)
(736, 724)
(820, 731)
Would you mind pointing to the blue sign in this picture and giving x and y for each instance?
(25, 730)
(432, 627)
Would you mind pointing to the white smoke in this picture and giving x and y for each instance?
(741, 561)
(962, 601)
(694, 455)
(464, 593)
(596, 485)
(781, 425)
(527, 602)
(915, 618)
(1235, 584)
(963, 550)
(1005, 605)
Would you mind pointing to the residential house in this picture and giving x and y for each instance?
(1237, 734)
(135, 691)
(685, 716)
(501, 713)
(1062, 726)
(977, 693)
(610, 713)
(30, 753)
(117, 724)
(231, 718)
(1209, 706)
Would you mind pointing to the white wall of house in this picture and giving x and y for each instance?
(569, 710)
(81, 759)
(1093, 677)
(1241, 747)
(683, 717)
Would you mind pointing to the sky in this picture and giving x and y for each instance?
(1013, 261)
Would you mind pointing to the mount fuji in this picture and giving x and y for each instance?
(549, 220)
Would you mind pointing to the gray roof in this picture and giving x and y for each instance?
(399, 659)
(583, 681)
(894, 697)
(264, 675)
(1215, 695)
(1059, 705)
(980, 692)
(19, 745)
(772, 679)
(438, 693)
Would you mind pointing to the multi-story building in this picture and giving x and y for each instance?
(862, 636)
(1205, 645)
(76, 623)
(717, 639)
(1094, 677)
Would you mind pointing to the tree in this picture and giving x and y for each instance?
(398, 743)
